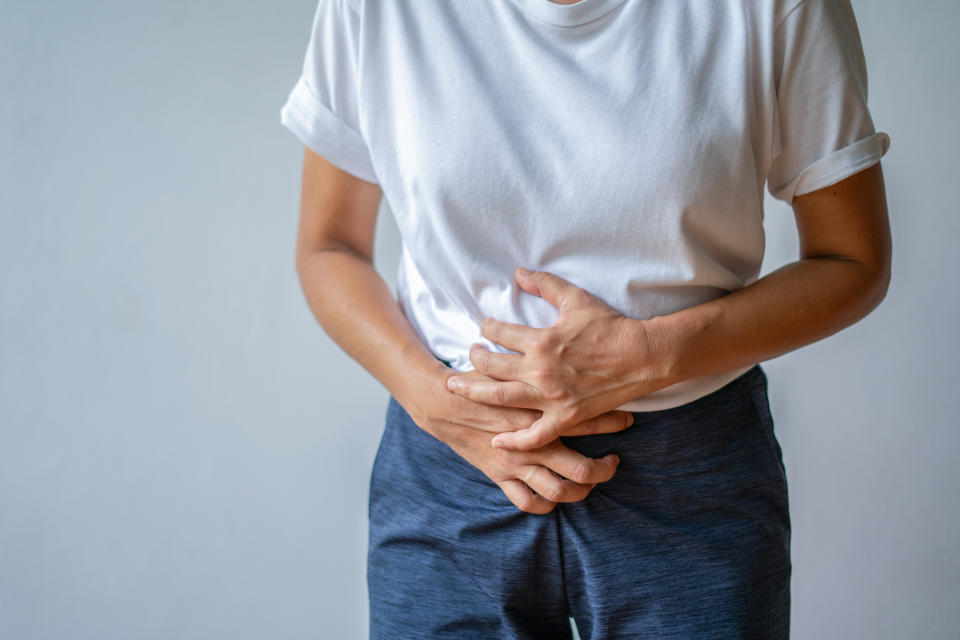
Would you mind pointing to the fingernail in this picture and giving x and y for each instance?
(454, 383)
(616, 459)
(497, 442)
(525, 271)
(630, 419)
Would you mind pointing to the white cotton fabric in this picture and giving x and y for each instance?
(623, 145)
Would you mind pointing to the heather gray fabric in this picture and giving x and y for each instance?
(690, 539)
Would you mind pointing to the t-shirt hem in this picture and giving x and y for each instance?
(683, 392)
(837, 166)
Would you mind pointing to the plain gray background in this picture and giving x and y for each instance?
(185, 454)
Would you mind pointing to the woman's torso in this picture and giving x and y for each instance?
(622, 145)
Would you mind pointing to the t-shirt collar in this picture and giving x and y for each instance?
(567, 15)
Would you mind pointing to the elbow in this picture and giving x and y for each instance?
(301, 257)
(307, 261)
(879, 290)
(309, 258)
(877, 285)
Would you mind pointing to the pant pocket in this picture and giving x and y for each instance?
(755, 387)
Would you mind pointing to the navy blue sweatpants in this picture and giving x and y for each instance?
(690, 539)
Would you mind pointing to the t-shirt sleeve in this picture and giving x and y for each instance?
(322, 109)
(823, 129)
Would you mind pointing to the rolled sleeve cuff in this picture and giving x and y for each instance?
(836, 166)
(325, 133)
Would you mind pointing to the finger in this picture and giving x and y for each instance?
(551, 486)
(517, 337)
(492, 419)
(495, 392)
(540, 433)
(577, 467)
(503, 366)
(609, 422)
(524, 499)
(548, 286)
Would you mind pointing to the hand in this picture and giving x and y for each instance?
(534, 481)
(445, 409)
(590, 361)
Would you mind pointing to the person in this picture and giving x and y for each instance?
(578, 423)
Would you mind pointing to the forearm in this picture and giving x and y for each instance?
(800, 303)
(357, 310)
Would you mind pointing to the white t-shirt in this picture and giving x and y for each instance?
(623, 145)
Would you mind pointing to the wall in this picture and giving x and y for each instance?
(185, 454)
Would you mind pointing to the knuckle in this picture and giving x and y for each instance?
(520, 421)
(500, 395)
(607, 471)
(498, 476)
(526, 455)
(488, 326)
(590, 427)
(541, 344)
(580, 473)
(554, 392)
(575, 494)
(479, 358)
(542, 375)
(547, 339)
(578, 297)
(571, 414)
(515, 423)
(554, 493)
(504, 457)
(544, 509)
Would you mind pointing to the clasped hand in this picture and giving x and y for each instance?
(583, 366)
(506, 415)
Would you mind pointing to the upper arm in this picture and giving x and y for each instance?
(822, 129)
(340, 192)
(337, 209)
(825, 149)
(848, 219)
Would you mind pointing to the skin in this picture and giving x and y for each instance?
(353, 304)
(594, 359)
(506, 414)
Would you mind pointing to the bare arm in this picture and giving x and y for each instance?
(353, 304)
(841, 276)
(334, 261)
(594, 358)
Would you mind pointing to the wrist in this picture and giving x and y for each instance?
(659, 342)
(421, 383)
(680, 342)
